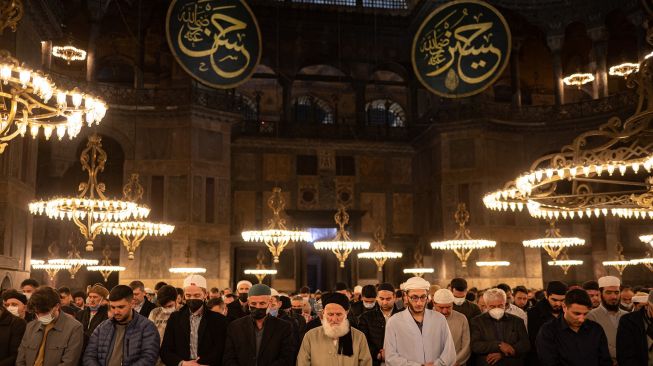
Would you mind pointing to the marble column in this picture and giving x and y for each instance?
(599, 61)
(515, 73)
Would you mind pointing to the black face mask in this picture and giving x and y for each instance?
(194, 304)
(258, 313)
(297, 311)
(242, 297)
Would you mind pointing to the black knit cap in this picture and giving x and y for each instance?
(386, 287)
(335, 298)
(285, 302)
(369, 291)
(556, 288)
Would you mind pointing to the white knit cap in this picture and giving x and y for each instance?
(417, 283)
(358, 289)
(243, 282)
(443, 296)
(609, 281)
(274, 292)
(640, 297)
(195, 280)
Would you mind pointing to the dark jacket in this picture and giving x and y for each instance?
(70, 309)
(632, 340)
(537, 315)
(484, 338)
(468, 309)
(211, 337)
(89, 324)
(372, 324)
(294, 325)
(560, 345)
(147, 308)
(277, 345)
(314, 323)
(12, 329)
(140, 347)
(235, 310)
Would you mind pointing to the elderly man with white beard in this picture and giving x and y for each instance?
(335, 342)
(418, 336)
(443, 303)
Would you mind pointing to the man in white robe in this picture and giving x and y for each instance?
(418, 336)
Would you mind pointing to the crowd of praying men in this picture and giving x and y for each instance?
(597, 323)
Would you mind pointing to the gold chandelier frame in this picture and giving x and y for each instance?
(341, 245)
(553, 243)
(106, 268)
(379, 255)
(462, 244)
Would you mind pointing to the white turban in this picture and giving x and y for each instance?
(443, 296)
(358, 289)
(609, 281)
(416, 283)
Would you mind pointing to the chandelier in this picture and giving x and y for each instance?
(553, 243)
(492, 263)
(51, 269)
(187, 269)
(69, 52)
(33, 102)
(277, 235)
(624, 69)
(74, 259)
(341, 245)
(418, 269)
(648, 239)
(647, 262)
(132, 233)
(578, 79)
(462, 244)
(621, 263)
(260, 272)
(106, 268)
(36, 261)
(602, 172)
(90, 209)
(379, 255)
(565, 264)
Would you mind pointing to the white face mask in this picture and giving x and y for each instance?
(369, 305)
(627, 306)
(13, 310)
(458, 300)
(28, 295)
(46, 319)
(496, 313)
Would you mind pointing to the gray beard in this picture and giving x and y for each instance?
(335, 331)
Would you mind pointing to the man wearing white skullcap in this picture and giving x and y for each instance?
(608, 313)
(418, 335)
(239, 308)
(631, 348)
(458, 325)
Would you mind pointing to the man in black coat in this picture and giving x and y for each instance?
(194, 319)
(634, 334)
(372, 323)
(240, 307)
(94, 312)
(366, 303)
(141, 304)
(545, 310)
(259, 339)
(12, 329)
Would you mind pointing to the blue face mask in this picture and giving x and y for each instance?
(273, 312)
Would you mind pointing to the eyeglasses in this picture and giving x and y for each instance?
(418, 298)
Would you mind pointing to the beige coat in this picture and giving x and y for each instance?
(609, 322)
(459, 328)
(319, 350)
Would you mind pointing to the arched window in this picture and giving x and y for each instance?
(385, 112)
(247, 107)
(309, 109)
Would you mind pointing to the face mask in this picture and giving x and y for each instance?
(28, 295)
(13, 310)
(496, 313)
(258, 313)
(627, 306)
(297, 311)
(273, 312)
(194, 304)
(242, 297)
(47, 319)
(369, 305)
(458, 300)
